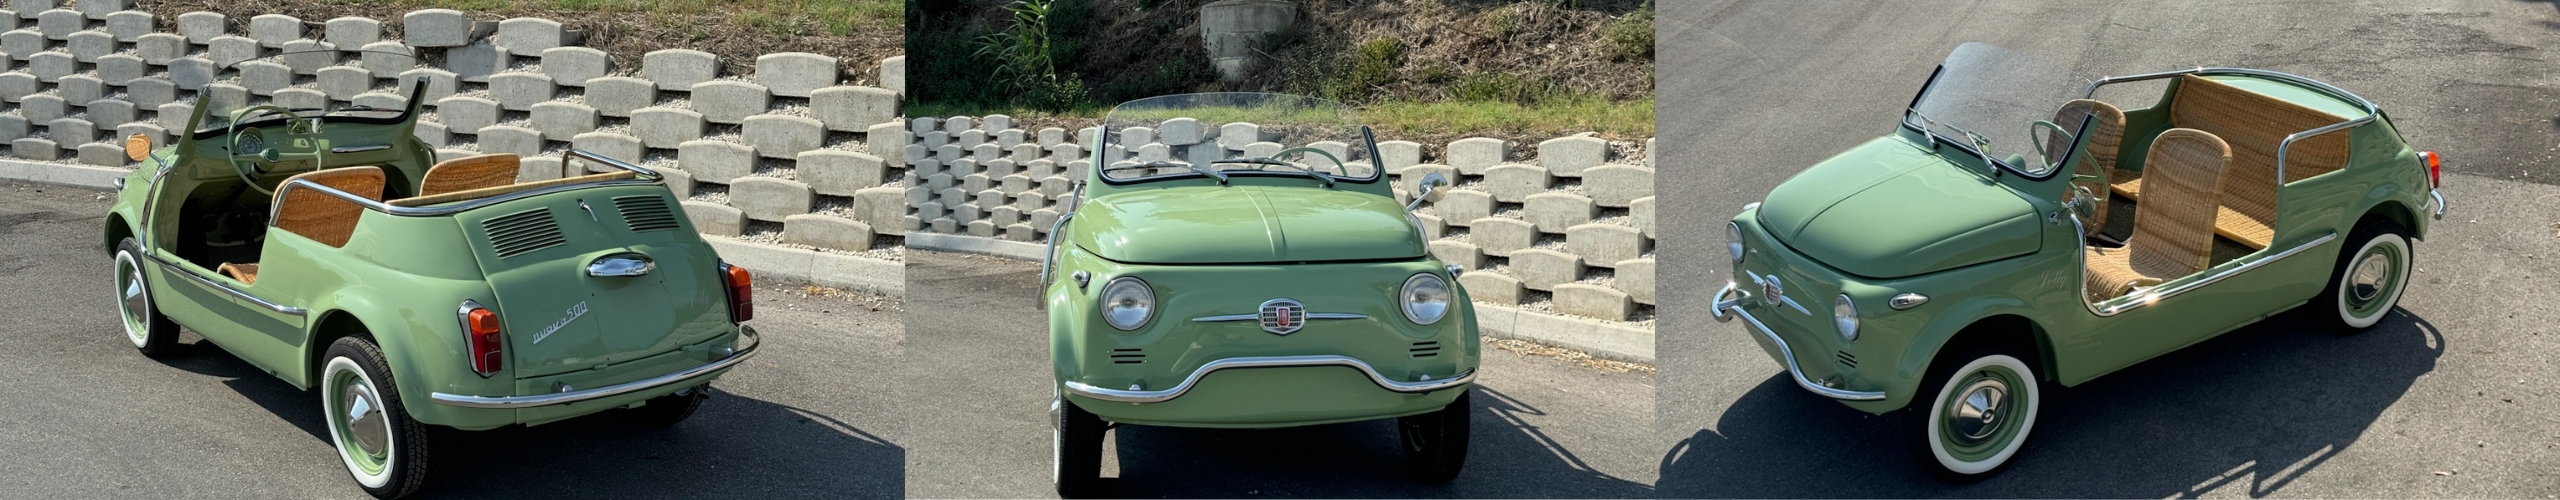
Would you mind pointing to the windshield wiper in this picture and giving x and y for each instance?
(1327, 178)
(1222, 178)
(1980, 145)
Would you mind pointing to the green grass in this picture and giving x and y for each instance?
(835, 17)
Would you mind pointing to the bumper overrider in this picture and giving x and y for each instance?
(1136, 396)
(1728, 305)
(747, 344)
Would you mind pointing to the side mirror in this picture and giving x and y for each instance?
(1427, 189)
(137, 147)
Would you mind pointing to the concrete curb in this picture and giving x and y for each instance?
(62, 174)
(766, 261)
(938, 242)
(1601, 339)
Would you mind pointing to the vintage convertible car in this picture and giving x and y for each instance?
(328, 248)
(1255, 275)
(1964, 276)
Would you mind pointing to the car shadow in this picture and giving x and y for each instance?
(1507, 457)
(734, 447)
(2254, 408)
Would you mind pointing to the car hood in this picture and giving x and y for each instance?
(1241, 224)
(1889, 209)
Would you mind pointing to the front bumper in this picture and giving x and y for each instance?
(748, 344)
(1134, 395)
(1728, 305)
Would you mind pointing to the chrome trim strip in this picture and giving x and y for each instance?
(1140, 396)
(1049, 256)
(1258, 317)
(1782, 296)
(2282, 147)
(360, 149)
(235, 292)
(1788, 353)
(462, 316)
(519, 402)
(2152, 295)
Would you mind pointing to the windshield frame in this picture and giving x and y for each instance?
(1368, 142)
(1914, 121)
(415, 90)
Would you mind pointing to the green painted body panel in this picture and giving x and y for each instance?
(1249, 220)
(402, 278)
(2384, 178)
(1347, 251)
(1945, 217)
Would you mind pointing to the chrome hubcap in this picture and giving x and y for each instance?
(136, 303)
(1977, 414)
(2370, 276)
(364, 421)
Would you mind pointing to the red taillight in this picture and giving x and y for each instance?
(488, 346)
(742, 304)
(2435, 169)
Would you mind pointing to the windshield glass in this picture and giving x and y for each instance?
(331, 84)
(1234, 134)
(1988, 99)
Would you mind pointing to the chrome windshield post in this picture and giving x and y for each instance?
(1049, 256)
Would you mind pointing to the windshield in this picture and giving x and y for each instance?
(1988, 99)
(1234, 134)
(334, 85)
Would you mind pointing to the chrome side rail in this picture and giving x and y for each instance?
(2148, 296)
(2287, 145)
(1049, 257)
(1134, 395)
(645, 177)
(235, 292)
(682, 376)
(1730, 299)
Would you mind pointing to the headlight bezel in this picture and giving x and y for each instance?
(1405, 298)
(1733, 240)
(1105, 302)
(1844, 317)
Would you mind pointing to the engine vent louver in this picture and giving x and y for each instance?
(1846, 359)
(645, 213)
(1426, 349)
(1127, 356)
(523, 232)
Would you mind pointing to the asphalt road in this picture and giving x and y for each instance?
(84, 416)
(1542, 428)
(2452, 396)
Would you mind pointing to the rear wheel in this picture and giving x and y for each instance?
(1435, 444)
(1075, 448)
(2368, 280)
(1978, 418)
(382, 447)
(667, 411)
(151, 333)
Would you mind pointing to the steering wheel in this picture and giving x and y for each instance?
(248, 169)
(2085, 195)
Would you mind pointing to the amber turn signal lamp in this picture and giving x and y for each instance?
(137, 147)
(2435, 169)
(488, 347)
(741, 285)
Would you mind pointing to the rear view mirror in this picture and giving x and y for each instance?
(1427, 189)
(137, 147)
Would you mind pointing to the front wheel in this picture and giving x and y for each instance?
(1980, 416)
(151, 333)
(383, 448)
(2367, 282)
(1435, 444)
(1075, 448)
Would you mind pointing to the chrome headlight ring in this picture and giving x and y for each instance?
(1127, 303)
(1733, 240)
(1424, 299)
(1844, 315)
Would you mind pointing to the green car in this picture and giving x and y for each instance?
(1256, 274)
(1964, 276)
(329, 248)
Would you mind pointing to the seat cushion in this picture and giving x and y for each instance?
(321, 217)
(470, 172)
(247, 274)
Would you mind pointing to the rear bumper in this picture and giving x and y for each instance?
(748, 344)
(1135, 395)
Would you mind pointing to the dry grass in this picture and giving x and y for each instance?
(858, 32)
(1580, 358)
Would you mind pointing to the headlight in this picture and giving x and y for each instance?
(1733, 240)
(1127, 302)
(1425, 298)
(1845, 316)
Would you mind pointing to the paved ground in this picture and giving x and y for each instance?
(2452, 396)
(1543, 428)
(83, 416)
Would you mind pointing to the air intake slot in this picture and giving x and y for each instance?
(1426, 349)
(645, 212)
(1127, 356)
(1846, 359)
(522, 232)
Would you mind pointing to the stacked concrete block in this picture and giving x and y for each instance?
(795, 74)
(352, 32)
(519, 91)
(528, 37)
(730, 101)
(273, 30)
(574, 66)
(783, 136)
(563, 121)
(679, 69)
(619, 96)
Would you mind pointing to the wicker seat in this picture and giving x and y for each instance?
(470, 172)
(2255, 126)
(323, 218)
(246, 274)
(2173, 235)
(2106, 135)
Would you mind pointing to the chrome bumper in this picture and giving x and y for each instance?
(2437, 199)
(1134, 395)
(1728, 305)
(746, 335)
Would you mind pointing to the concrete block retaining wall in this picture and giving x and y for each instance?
(789, 153)
(1569, 232)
